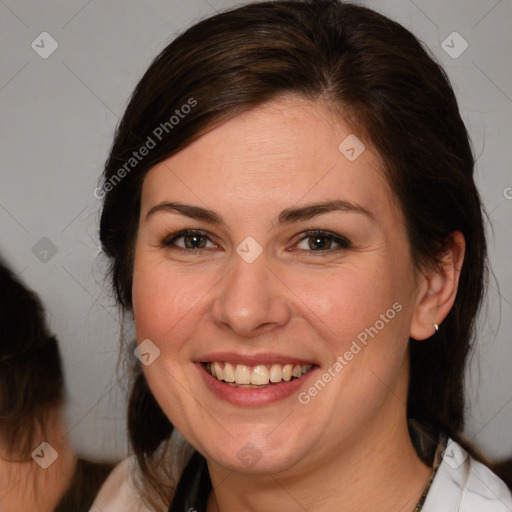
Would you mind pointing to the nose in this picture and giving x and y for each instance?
(251, 299)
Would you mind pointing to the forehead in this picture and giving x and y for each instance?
(278, 154)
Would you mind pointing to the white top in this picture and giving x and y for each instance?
(118, 493)
(461, 484)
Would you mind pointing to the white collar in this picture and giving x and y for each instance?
(462, 484)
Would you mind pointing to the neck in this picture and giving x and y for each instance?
(27, 486)
(376, 469)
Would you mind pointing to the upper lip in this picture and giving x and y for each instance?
(253, 359)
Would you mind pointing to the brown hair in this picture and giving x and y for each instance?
(393, 93)
(32, 394)
(31, 378)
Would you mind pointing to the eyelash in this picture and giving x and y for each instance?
(343, 242)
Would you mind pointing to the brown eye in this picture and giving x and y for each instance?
(192, 240)
(320, 241)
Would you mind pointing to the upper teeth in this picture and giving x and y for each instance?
(258, 375)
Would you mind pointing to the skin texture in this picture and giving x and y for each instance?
(27, 486)
(348, 447)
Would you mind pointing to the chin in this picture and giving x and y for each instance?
(257, 453)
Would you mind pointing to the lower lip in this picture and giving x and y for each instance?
(253, 396)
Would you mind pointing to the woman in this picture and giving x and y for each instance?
(291, 215)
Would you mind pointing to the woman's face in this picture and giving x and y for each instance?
(266, 250)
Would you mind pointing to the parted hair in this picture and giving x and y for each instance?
(392, 93)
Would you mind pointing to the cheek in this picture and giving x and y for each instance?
(363, 317)
(162, 300)
(343, 303)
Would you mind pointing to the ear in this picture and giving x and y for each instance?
(437, 290)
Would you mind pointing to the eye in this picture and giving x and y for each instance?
(189, 240)
(322, 241)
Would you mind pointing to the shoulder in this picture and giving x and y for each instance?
(119, 492)
(463, 484)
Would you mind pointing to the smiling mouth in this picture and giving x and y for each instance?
(258, 376)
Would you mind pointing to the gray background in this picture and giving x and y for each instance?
(58, 118)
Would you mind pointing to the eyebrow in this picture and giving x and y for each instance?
(193, 212)
(307, 212)
(287, 216)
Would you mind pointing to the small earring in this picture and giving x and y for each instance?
(436, 328)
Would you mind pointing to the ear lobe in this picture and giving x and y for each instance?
(437, 290)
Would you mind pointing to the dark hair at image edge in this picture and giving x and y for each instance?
(378, 77)
(31, 375)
